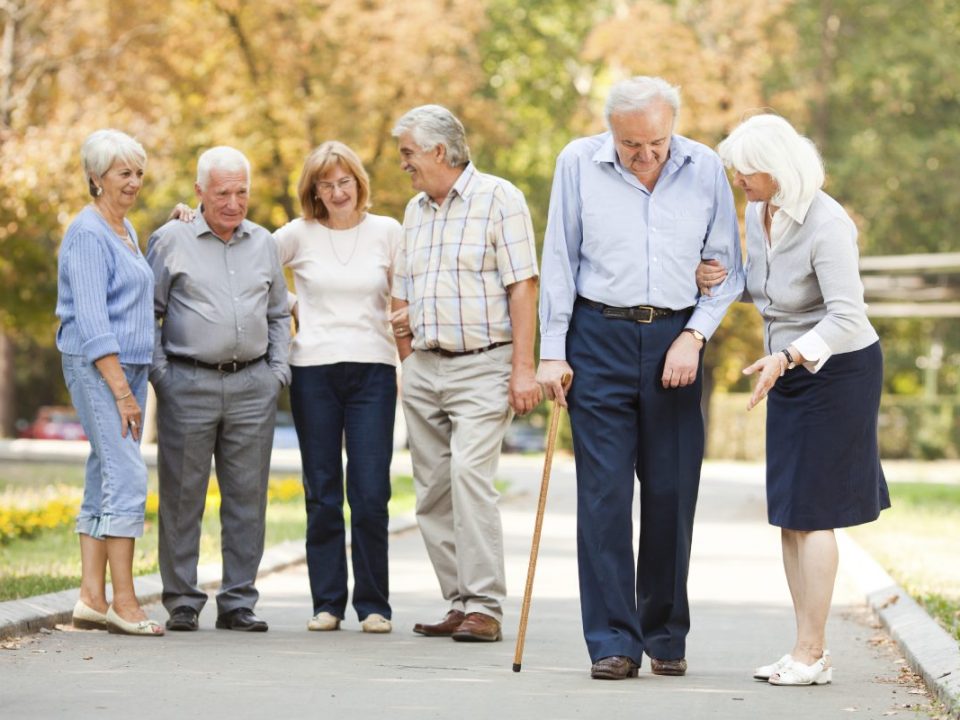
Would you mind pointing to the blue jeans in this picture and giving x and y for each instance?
(115, 485)
(356, 401)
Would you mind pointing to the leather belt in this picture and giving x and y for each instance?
(640, 313)
(230, 366)
(450, 353)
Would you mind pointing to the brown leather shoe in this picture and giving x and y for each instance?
(615, 667)
(444, 628)
(477, 627)
(668, 667)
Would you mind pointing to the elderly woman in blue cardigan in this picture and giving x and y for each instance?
(106, 335)
(822, 373)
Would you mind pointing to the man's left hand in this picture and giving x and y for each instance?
(683, 359)
(525, 392)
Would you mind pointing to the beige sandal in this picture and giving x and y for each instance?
(119, 626)
(86, 618)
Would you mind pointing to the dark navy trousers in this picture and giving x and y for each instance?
(355, 401)
(626, 425)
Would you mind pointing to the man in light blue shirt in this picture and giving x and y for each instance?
(632, 212)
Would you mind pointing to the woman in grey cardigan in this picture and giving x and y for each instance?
(822, 374)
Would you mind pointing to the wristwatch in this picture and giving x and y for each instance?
(697, 334)
(791, 363)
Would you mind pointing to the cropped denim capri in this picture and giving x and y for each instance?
(115, 486)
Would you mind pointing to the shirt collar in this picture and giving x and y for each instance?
(202, 228)
(462, 187)
(679, 153)
(798, 211)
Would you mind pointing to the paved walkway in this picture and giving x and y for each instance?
(741, 618)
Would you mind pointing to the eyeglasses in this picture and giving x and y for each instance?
(344, 183)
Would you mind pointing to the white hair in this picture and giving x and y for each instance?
(432, 126)
(103, 148)
(769, 144)
(636, 94)
(223, 159)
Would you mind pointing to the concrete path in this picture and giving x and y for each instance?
(741, 618)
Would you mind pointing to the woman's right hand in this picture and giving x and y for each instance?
(710, 273)
(131, 417)
(183, 213)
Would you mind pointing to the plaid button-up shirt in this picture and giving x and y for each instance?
(460, 257)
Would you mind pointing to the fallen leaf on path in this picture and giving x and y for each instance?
(892, 600)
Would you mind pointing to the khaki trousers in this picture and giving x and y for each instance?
(457, 413)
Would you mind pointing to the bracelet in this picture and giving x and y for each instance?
(124, 397)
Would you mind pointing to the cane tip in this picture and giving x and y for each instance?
(516, 667)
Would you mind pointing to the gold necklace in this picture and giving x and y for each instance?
(333, 246)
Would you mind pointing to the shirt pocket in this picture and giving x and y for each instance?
(684, 235)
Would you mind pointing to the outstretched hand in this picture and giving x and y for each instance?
(771, 368)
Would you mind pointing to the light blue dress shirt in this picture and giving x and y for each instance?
(611, 240)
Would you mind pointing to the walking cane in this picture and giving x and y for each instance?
(537, 527)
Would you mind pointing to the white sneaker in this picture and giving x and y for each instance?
(376, 623)
(324, 621)
(765, 671)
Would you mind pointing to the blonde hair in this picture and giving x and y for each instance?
(321, 161)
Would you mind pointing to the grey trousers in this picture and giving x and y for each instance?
(457, 413)
(203, 414)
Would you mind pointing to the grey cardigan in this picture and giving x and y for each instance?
(808, 286)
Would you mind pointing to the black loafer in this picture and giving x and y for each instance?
(183, 618)
(241, 619)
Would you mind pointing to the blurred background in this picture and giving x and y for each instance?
(876, 84)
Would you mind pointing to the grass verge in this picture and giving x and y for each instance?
(916, 541)
(49, 560)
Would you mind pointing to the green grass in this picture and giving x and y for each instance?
(50, 561)
(917, 542)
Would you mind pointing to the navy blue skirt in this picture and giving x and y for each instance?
(823, 462)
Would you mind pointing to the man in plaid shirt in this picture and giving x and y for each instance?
(464, 296)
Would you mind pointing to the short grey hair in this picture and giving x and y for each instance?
(432, 126)
(636, 94)
(221, 158)
(103, 148)
(769, 144)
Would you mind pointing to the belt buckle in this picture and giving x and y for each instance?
(644, 319)
(222, 367)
